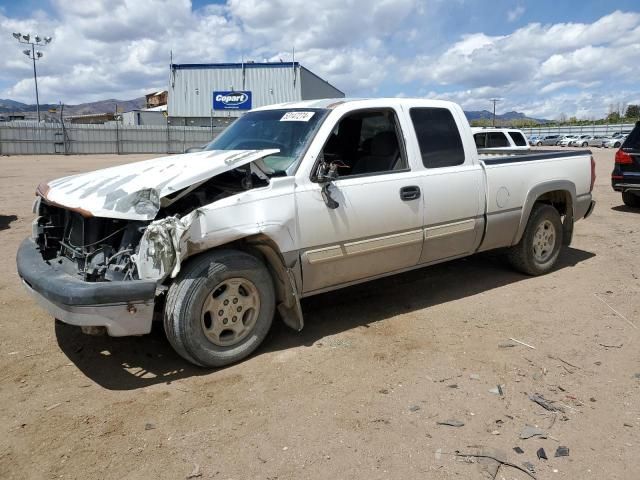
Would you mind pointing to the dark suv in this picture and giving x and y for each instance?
(625, 177)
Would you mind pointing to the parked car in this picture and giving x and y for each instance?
(290, 201)
(595, 140)
(567, 140)
(548, 140)
(533, 139)
(614, 142)
(499, 140)
(625, 177)
(623, 133)
(580, 141)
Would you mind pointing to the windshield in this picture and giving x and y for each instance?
(288, 130)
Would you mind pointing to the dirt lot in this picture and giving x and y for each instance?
(359, 392)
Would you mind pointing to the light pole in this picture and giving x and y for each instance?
(33, 55)
(494, 100)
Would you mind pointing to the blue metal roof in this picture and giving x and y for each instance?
(187, 66)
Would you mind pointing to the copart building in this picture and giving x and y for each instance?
(215, 94)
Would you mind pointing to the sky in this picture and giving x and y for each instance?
(544, 58)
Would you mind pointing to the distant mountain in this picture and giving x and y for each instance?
(508, 116)
(102, 106)
(13, 106)
(110, 105)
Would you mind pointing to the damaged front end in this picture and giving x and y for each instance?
(95, 249)
(98, 271)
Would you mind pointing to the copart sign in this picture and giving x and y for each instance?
(232, 100)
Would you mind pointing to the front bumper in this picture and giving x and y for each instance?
(123, 308)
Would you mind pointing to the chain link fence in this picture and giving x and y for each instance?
(29, 138)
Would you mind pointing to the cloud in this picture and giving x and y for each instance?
(515, 14)
(576, 60)
(121, 48)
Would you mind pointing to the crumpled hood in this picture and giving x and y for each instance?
(133, 191)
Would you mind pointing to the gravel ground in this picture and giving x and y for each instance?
(359, 393)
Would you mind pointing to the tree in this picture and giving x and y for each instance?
(633, 111)
(613, 117)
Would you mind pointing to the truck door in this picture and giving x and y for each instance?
(377, 226)
(452, 187)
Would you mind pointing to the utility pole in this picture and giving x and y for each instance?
(33, 55)
(494, 100)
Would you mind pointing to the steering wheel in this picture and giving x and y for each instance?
(260, 144)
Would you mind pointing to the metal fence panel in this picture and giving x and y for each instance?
(580, 129)
(29, 138)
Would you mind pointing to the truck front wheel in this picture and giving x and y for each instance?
(220, 308)
(539, 247)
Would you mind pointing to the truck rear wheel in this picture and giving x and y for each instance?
(539, 247)
(220, 308)
(631, 199)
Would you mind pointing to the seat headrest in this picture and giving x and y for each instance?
(384, 144)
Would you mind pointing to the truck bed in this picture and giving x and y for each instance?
(514, 182)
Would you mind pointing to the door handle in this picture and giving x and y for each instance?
(409, 193)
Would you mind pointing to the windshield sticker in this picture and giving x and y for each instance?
(297, 116)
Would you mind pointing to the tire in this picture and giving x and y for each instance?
(539, 144)
(227, 286)
(616, 145)
(631, 199)
(585, 144)
(530, 255)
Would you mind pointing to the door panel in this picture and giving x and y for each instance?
(373, 231)
(453, 208)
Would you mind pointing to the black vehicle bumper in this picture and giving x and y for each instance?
(124, 308)
(622, 181)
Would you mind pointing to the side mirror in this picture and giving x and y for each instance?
(325, 175)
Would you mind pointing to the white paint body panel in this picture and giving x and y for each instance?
(519, 178)
(372, 231)
(116, 192)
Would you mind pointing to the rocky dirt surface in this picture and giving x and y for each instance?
(362, 391)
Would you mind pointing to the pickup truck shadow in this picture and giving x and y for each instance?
(341, 310)
(136, 362)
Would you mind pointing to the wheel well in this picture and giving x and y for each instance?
(558, 199)
(286, 281)
(284, 278)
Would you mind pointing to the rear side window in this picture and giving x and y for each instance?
(518, 139)
(481, 140)
(633, 140)
(496, 140)
(438, 137)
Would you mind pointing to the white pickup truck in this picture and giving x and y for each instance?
(289, 201)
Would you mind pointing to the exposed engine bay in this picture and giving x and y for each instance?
(99, 249)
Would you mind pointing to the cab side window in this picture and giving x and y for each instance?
(365, 143)
(438, 137)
